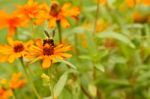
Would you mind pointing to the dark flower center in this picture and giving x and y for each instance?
(18, 48)
(54, 9)
(48, 47)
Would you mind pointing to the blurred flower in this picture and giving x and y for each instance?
(146, 2)
(56, 13)
(17, 81)
(5, 94)
(103, 2)
(29, 10)
(15, 49)
(12, 21)
(139, 18)
(131, 3)
(48, 52)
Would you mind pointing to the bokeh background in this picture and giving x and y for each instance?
(111, 50)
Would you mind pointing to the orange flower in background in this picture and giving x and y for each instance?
(12, 22)
(17, 81)
(29, 10)
(146, 2)
(103, 2)
(139, 18)
(131, 3)
(5, 94)
(57, 13)
(48, 52)
(15, 49)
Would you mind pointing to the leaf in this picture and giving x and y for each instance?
(68, 63)
(92, 89)
(117, 36)
(100, 67)
(85, 57)
(60, 85)
(47, 97)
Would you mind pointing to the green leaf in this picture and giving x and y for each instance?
(100, 67)
(68, 63)
(60, 85)
(117, 36)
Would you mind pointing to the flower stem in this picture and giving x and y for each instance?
(59, 31)
(96, 18)
(50, 83)
(13, 94)
(29, 79)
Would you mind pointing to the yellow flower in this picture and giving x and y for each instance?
(15, 49)
(17, 81)
(57, 13)
(47, 52)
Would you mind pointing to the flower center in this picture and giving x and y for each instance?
(54, 9)
(48, 47)
(18, 48)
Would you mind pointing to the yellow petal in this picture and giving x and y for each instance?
(65, 55)
(66, 6)
(52, 23)
(64, 23)
(46, 62)
(11, 58)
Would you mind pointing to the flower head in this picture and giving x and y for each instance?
(12, 22)
(49, 53)
(29, 10)
(15, 49)
(58, 13)
(5, 94)
(17, 81)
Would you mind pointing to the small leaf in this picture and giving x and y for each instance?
(68, 63)
(92, 89)
(100, 67)
(60, 85)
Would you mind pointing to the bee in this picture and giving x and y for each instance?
(49, 39)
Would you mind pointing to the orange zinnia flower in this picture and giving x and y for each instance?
(48, 52)
(131, 3)
(29, 10)
(5, 94)
(17, 81)
(56, 13)
(15, 49)
(11, 21)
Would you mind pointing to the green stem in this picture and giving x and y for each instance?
(96, 18)
(50, 83)
(13, 94)
(59, 31)
(29, 79)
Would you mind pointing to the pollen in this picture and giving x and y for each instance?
(18, 48)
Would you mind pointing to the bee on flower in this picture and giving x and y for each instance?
(48, 52)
